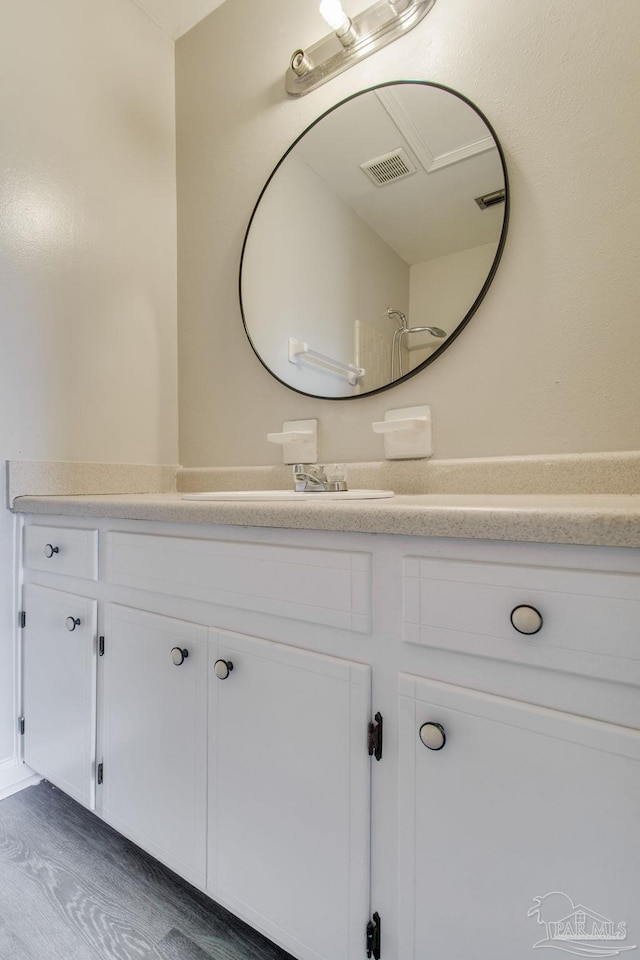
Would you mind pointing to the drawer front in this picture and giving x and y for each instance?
(61, 550)
(331, 587)
(590, 621)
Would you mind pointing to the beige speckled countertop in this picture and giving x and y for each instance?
(598, 519)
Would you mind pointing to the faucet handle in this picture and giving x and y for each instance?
(318, 477)
(309, 472)
(335, 472)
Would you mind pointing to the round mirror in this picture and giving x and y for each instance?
(374, 240)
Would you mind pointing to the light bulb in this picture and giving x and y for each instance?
(335, 16)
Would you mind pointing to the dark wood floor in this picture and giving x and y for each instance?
(71, 888)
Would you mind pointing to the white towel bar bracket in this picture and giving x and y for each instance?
(299, 351)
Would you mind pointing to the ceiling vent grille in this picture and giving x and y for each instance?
(491, 199)
(388, 168)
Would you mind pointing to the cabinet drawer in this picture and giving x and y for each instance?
(331, 587)
(590, 620)
(64, 550)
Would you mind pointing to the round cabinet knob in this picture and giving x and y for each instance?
(526, 619)
(433, 735)
(72, 623)
(49, 550)
(222, 669)
(179, 655)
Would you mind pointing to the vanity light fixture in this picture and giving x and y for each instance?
(352, 40)
(337, 19)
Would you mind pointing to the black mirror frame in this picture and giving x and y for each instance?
(481, 295)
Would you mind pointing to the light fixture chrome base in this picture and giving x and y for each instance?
(373, 28)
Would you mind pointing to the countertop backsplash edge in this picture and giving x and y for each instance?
(42, 478)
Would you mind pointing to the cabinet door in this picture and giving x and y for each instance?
(59, 657)
(154, 722)
(525, 825)
(289, 794)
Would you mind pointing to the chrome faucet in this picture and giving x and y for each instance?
(312, 478)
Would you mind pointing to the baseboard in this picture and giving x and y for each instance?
(15, 776)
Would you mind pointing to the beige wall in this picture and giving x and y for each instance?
(550, 361)
(87, 249)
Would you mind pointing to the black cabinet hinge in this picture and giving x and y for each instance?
(374, 738)
(22, 619)
(101, 646)
(21, 725)
(373, 937)
(100, 772)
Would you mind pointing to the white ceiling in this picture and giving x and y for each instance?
(175, 17)
(433, 212)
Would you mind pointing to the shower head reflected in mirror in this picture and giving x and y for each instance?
(434, 331)
(403, 329)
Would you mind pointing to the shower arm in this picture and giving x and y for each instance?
(401, 331)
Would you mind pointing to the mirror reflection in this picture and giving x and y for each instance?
(374, 240)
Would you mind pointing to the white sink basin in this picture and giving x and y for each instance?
(288, 495)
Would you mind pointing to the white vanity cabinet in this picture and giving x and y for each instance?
(59, 680)
(59, 654)
(240, 762)
(506, 802)
(153, 735)
(289, 793)
(245, 764)
(527, 794)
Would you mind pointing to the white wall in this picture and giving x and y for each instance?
(550, 361)
(300, 221)
(87, 249)
(442, 291)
